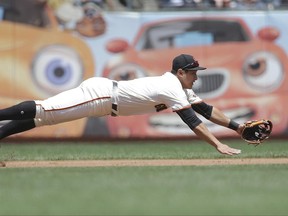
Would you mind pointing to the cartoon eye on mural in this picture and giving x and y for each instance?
(57, 68)
(38, 59)
(245, 72)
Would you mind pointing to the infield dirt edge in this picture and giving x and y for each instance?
(134, 163)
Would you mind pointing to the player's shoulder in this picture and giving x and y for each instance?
(171, 80)
(161, 81)
(169, 77)
(169, 84)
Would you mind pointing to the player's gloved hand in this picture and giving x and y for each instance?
(256, 131)
(225, 149)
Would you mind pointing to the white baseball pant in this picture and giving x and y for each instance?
(92, 98)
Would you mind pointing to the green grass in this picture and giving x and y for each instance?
(136, 150)
(188, 190)
(223, 190)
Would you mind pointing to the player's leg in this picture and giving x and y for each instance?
(58, 112)
(30, 114)
(21, 111)
(22, 116)
(16, 126)
(89, 99)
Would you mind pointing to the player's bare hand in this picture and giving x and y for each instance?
(225, 149)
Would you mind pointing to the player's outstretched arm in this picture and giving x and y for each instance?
(202, 131)
(214, 115)
(190, 118)
(219, 118)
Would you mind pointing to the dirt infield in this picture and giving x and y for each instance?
(131, 163)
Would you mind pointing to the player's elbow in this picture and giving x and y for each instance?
(189, 117)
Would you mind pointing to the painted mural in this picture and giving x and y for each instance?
(50, 51)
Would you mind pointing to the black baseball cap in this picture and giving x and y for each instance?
(186, 62)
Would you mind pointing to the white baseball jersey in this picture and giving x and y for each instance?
(151, 94)
(96, 97)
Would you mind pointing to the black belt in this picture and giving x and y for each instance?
(114, 109)
(114, 101)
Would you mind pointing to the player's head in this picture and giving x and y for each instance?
(185, 62)
(185, 68)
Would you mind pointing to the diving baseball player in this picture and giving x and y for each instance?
(101, 96)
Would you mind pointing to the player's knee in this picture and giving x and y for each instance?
(27, 110)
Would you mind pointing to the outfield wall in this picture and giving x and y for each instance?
(245, 53)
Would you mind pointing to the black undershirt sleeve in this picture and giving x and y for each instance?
(189, 117)
(203, 109)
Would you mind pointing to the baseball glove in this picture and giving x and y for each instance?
(256, 131)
